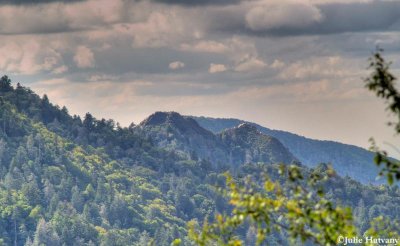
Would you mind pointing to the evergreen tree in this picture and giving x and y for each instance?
(5, 84)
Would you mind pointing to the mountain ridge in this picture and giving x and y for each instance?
(347, 159)
(171, 130)
(256, 146)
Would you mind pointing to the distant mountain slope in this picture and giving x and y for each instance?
(236, 146)
(248, 145)
(171, 131)
(347, 159)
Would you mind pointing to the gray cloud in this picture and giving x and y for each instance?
(199, 2)
(252, 18)
(354, 17)
(61, 16)
(310, 19)
(32, 2)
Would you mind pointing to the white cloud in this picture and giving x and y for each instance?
(102, 77)
(318, 68)
(28, 57)
(250, 64)
(60, 17)
(176, 65)
(205, 46)
(277, 64)
(60, 70)
(84, 57)
(270, 15)
(161, 28)
(217, 68)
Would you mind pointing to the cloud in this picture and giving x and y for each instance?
(304, 91)
(176, 65)
(103, 77)
(199, 2)
(357, 17)
(163, 27)
(60, 69)
(156, 23)
(217, 68)
(318, 68)
(282, 15)
(28, 57)
(205, 46)
(60, 17)
(292, 18)
(250, 64)
(31, 2)
(84, 57)
(277, 64)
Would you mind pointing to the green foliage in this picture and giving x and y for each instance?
(383, 83)
(300, 209)
(5, 84)
(62, 184)
(384, 228)
(389, 166)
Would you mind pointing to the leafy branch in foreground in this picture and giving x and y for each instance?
(383, 83)
(300, 210)
(391, 167)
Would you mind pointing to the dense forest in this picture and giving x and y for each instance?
(71, 181)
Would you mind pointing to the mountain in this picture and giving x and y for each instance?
(71, 181)
(233, 147)
(247, 144)
(349, 160)
(171, 131)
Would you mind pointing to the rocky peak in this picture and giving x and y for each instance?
(159, 118)
(184, 135)
(247, 127)
(243, 130)
(173, 119)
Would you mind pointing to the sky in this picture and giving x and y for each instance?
(294, 65)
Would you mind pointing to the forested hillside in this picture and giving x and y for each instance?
(71, 181)
(233, 147)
